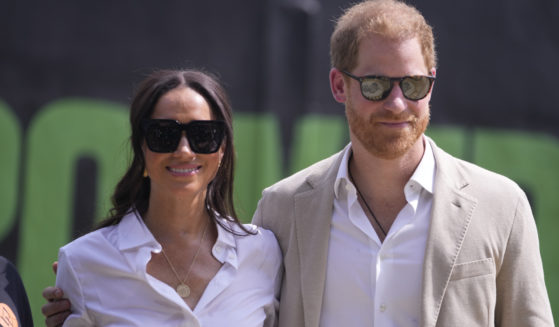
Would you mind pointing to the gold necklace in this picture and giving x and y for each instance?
(182, 289)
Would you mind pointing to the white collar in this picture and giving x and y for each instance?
(424, 174)
(133, 233)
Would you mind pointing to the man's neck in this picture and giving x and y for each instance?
(380, 183)
(385, 173)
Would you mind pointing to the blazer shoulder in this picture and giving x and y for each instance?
(473, 178)
(485, 176)
(311, 176)
(275, 208)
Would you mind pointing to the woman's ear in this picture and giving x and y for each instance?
(221, 154)
(144, 147)
(337, 85)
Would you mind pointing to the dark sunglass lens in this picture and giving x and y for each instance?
(375, 88)
(163, 136)
(415, 87)
(205, 136)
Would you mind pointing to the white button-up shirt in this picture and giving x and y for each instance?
(369, 283)
(104, 275)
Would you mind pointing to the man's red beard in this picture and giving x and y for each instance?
(381, 141)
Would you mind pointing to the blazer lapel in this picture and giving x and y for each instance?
(450, 218)
(313, 209)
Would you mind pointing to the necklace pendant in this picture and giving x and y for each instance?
(183, 290)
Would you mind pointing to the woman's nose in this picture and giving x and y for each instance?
(184, 146)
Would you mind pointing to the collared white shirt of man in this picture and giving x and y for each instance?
(369, 281)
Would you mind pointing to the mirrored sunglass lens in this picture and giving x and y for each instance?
(375, 88)
(205, 137)
(163, 137)
(415, 87)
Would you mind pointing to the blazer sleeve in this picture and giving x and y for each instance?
(68, 280)
(263, 216)
(257, 218)
(522, 298)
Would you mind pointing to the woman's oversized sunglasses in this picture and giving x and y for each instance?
(164, 135)
(376, 88)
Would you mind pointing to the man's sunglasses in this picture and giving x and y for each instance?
(164, 135)
(376, 88)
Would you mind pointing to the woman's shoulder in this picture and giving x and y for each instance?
(88, 246)
(259, 243)
(109, 236)
(252, 234)
(262, 235)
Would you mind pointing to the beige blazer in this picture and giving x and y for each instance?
(482, 262)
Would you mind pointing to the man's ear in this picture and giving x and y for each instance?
(434, 74)
(337, 85)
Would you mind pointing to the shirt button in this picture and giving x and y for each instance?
(382, 307)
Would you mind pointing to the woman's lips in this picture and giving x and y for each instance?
(184, 171)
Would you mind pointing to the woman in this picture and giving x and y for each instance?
(172, 252)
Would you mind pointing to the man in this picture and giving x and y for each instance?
(393, 231)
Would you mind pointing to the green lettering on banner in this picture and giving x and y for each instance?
(532, 160)
(10, 143)
(58, 136)
(317, 137)
(257, 143)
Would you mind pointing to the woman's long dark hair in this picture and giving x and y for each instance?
(132, 191)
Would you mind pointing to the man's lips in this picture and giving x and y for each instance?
(394, 123)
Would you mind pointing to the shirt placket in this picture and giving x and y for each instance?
(222, 279)
(383, 270)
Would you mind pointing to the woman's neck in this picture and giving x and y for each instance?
(173, 217)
